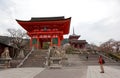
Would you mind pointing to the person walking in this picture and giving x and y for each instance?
(87, 57)
(101, 62)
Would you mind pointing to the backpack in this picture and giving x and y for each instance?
(103, 61)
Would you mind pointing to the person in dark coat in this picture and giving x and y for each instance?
(87, 57)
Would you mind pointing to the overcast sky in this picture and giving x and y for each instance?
(95, 20)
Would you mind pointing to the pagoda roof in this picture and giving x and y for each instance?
(61, 23)
(78, 41)
(74, 36)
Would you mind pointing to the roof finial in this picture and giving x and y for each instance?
(73, 31)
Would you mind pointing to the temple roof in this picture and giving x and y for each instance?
(60, 23)
(46, 18)
(6, 40)
(38, 19)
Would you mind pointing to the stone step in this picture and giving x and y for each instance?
(36, 59)
(2, 65)
(55, 66)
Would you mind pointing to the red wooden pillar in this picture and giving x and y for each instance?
(73, 45)
(59, 41)
(78, 46)
(83, 46)
(41, 44)
(51, 44)
(37, 46)
(31, 42)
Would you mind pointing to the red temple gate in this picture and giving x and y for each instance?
(46, 29)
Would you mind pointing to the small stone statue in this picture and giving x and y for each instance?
(57, 53)
(21, 54)
(5, 54)
(5, 57)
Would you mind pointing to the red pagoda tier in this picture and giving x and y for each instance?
(73, 40)
(46, 29)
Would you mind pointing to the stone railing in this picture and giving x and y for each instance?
(105, 56)
(22, 62)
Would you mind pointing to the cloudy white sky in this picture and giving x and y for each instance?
(95, 20)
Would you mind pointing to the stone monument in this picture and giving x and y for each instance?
(5, 58)
(55, 57)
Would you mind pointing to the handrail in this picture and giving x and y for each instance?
(106, 57)
(21, 63)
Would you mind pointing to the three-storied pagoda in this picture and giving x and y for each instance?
(46, 29)
(73, 40)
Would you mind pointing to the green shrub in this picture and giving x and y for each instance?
(117, 58)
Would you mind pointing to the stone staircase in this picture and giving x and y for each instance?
(80, 61)
(74, 61)
(36, 59)
(93, 60)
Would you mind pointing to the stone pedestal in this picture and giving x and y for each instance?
(55, 57)
(55, 62)
(5, 58)
(5, 62)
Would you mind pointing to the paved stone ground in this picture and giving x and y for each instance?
(110, 72)
(20, 72)
(62, 73)
(92, 72)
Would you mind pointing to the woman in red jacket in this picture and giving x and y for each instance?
(101, 64)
